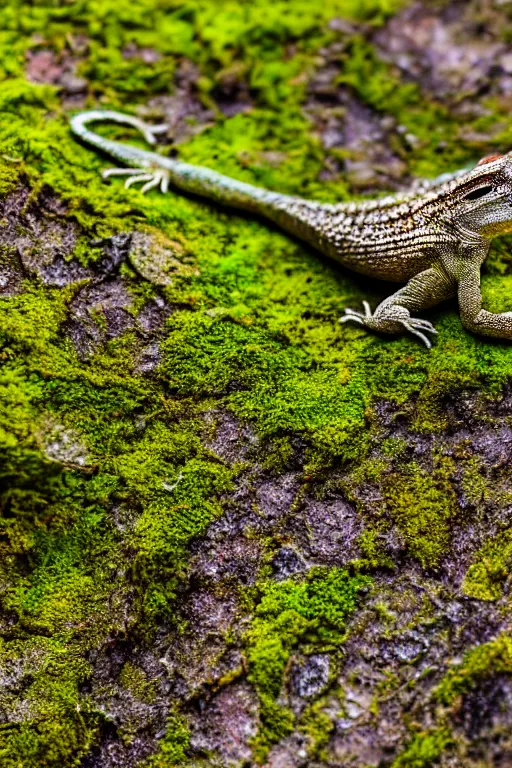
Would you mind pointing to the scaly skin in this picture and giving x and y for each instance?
(434, 238)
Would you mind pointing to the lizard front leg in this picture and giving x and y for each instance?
(393, 315)
(473, 317)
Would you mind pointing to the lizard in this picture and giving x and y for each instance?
(434, 237)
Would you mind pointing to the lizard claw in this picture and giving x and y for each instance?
(155, 129)
(358, 317)
(424, 325)
(413, 325)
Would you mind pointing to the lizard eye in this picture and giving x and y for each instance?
(476, 194)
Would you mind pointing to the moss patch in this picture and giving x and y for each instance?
(312, 613)
(486, 660)
(173, 747)
(424, 750)
(485, 577)
(423, 507)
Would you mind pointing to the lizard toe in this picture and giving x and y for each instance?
(351, 315)
(410, 327)
(136, 179)
(153, 179)
(107, 172)
(423, 325)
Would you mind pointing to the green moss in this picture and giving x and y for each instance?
(172, 751)
(479, 663)
(312, 613)
(394, 447)
(485, 577)
(424, 750)
(57, 727)
(278, 454)
(372, 552)
(378, 85)
(318, 725)
(277, 723)
(423, 506)
(474, 483)
(59, 515)
(135, 680)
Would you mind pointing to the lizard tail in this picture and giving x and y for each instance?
(300, 217)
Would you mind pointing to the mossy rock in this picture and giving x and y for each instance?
(233, 530)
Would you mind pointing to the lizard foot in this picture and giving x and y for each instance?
(391, 324)
(136, 175)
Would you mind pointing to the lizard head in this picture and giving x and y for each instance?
(483, 197)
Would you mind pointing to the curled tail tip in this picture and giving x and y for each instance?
(78, 121)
